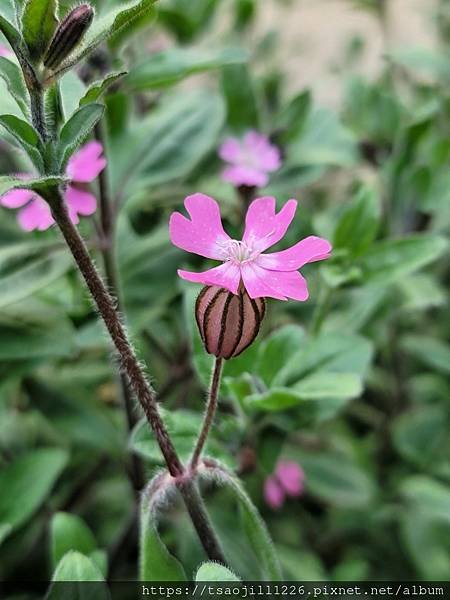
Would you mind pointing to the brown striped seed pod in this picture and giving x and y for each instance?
(68, 35)
(228, 323)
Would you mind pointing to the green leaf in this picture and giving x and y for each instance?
(106, 26)
(27, 336)
(170, 66)
(38, 25)
(319, 386)
(73, 567)
(69, 532)
(156, 562)
(41, 186)
(388, 260)
(211, 571)
(293, 117)
(337, 480)
(428, 497)
(358, 225)
(170, 143)
(255, 528)
(96, 90)
(324, 141)
(26, 483)
(11, 34)
(429, 350)
(12, 76)
(242, 105)
(329, 352)
(77, 129)
(25, 135)
(28, 267)
(277, 349)
(419, 434)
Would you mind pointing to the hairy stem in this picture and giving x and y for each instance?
(136, 377)
(210, 412)
(199, 517)
(38, 112)
(112, 279)
(110, 315)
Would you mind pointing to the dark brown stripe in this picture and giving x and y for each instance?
(207, 315)
(223, 323)
(197, 308)
(256, 327)
(240, 325)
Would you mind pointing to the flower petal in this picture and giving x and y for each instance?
(273, 493)
(245, 175)
(263, 227)
(16, 198)
(265, 156)
(281, 285)
(36, 215)
(231, 150)
(203, 234)
(291, 477)
(85, 165)
(310, 249)
(227, 276)
(79, 202)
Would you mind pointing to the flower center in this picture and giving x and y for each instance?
(239, 252)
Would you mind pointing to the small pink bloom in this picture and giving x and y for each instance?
(273, 493)
(83, 167)
(250, 160)
(4, 51)
(263, 275)
(291, 477)
(287, 480)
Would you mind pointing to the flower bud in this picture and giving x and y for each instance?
(68, 35)
(228, 323)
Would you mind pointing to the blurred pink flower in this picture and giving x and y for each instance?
(83, 167)
(4, 51)
(251, 159)
(287, 480)
(263, 275)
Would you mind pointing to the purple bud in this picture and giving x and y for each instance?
(228, 323)
(68, 35)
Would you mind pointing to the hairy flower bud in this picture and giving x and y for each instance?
(228, 323)
(68, 35)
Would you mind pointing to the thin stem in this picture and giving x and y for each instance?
(140, 385)
(199, 517)
(112, 279)
(110, 315)
(210, 412)
(38, 112)
(321, 310)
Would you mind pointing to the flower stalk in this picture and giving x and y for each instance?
(211, 408)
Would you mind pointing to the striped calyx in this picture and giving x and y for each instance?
(68, 35)
(228, 323)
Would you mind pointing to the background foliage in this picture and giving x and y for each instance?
(352, 384)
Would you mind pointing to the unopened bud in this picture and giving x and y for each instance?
(228, 323)
(68, 35)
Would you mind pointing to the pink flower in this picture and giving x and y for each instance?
(82, 168)
(287, 480)
(263, 275)
(250, 160)
(4, 51)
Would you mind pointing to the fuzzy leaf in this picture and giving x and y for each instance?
(98, 88)
(38, 25)
(170, 66)
(12, 76)
(77, 129)
(26, 136)
(156, 562)
(211, 571)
